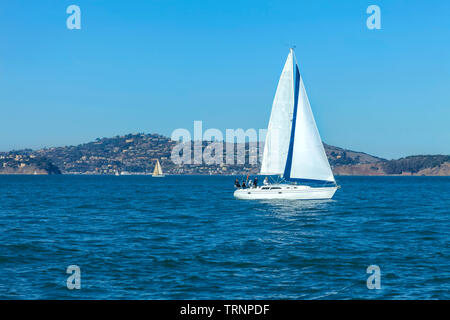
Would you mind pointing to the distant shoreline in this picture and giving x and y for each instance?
(202, 175)
(136, 154)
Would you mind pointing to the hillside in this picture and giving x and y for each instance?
(423, 165)
(12, 163)
(136, 154)
(340, 157)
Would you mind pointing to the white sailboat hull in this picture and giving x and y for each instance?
(290, 192)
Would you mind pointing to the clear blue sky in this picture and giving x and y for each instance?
(154, 66)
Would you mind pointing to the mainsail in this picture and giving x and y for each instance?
(293, 146)
(279, 129)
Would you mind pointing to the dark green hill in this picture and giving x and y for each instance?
(414, 164)
(14, 163)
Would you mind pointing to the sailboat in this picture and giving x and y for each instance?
(157, 172)
(293, 150)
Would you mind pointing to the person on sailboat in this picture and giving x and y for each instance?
(236, 184)
(250, 183)
(255, 182)
(243, 184)
(266, 181)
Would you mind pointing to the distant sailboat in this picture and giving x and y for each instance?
(293, 149)
(157, 172)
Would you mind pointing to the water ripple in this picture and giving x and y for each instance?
(187, 238)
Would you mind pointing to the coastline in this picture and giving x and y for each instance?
(406, 174)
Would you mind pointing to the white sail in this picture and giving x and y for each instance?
(309, 160)
(279, 129)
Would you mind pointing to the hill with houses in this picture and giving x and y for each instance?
(137, 154)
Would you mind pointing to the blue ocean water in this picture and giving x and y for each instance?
(186, 237)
